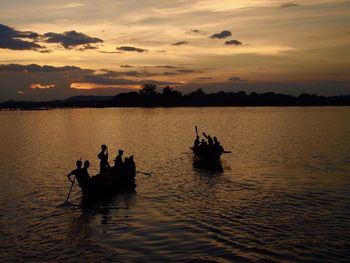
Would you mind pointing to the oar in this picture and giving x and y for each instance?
(227, 152)
(205, 135)
(196, 130)
(139, 172)
(70, 190)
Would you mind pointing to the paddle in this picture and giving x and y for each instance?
(227, 152)
(70, 190)
(205, 135)
(139, 172)
(196, 130)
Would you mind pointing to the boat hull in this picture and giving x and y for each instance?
(106, 185)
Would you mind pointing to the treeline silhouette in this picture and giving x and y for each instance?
(148, 96)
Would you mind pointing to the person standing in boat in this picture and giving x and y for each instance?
(79, 173)
(103, 156)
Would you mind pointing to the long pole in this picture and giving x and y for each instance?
(70, 190)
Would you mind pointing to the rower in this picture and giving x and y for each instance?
(196, 142)
(79, 174)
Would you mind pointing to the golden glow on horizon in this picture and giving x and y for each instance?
(41, 86)
(89, 85)
(281, 42)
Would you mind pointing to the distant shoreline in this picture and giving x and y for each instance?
(148, 97)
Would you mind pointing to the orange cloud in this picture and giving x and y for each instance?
(89, 85)
(41, 86)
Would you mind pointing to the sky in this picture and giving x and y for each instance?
(57, 49)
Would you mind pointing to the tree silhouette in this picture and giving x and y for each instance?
(148, 89)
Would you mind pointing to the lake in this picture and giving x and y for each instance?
(283, 195)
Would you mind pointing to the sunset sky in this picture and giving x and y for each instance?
(56, 49)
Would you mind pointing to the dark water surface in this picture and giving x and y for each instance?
(283, 196)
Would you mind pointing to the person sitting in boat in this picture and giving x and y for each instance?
(79, 173)
(210, 141)
(218, 148)
(118, 161)
(196, 143)
(128, 173)
(103, 156)
(202, 148)
(132, 165)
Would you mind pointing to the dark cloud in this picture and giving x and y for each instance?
(164, 66)
(287, 5)
(205, 78)
(222, 34)
(187, 71)
(233, 43)
(18, 40)
(169, 73)
(106, 80)
(132, 49)
(36, 68)
(87, 46)
(180, 43)
(45, 51)
(110, 52)
(126, 66)
(234, 78)
(180, 71)
(70, 39)
(131, 73)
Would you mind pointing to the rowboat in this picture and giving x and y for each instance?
(108, 184)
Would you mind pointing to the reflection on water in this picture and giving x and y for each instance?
(282, 194)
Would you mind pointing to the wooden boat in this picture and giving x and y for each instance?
(211, 155)
(108, 184)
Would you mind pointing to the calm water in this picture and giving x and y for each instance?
(283, 195)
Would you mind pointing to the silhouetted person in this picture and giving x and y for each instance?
(210, 141)
(103, 156)
(85, 173)
(202, 148)
(196, 143)
(132, 165)
(218, 148)
(79, 174)
(118, 162)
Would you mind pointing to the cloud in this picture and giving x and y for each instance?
(287, 5)
(180, 71)
(70, 39)
(180, 43)
(110, 52)
(87, 46)
(106, 80)
(234, 79)
(41, 86)
(233, 42)
(18, 40)
(36, 68)
(132, 49)
(131, 73)
(222, 34)
(164, 66)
